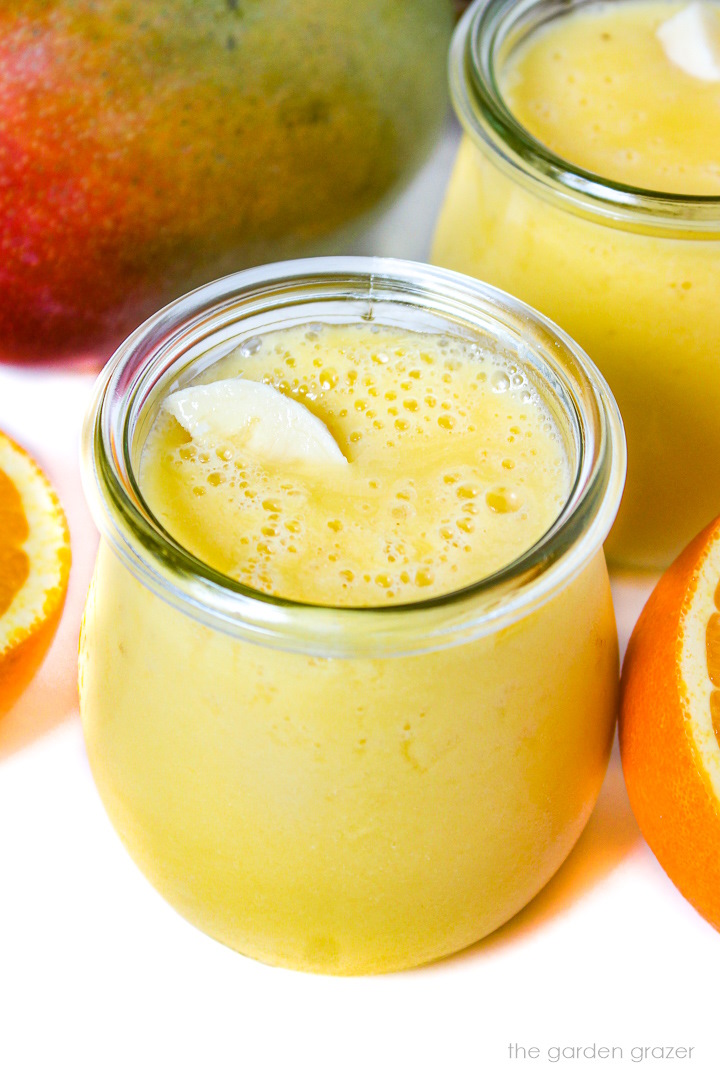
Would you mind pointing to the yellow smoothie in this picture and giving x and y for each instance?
(631, 277)
(451, 467)
(600, 90)
(362, 767)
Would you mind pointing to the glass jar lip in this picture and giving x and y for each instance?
(479, 36)
(208, 596)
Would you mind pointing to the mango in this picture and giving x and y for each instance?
(147, 146)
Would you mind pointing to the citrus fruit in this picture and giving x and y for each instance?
(670, 722)
(34, 568)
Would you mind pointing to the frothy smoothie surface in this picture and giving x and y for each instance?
(629, 91)
(449, 465)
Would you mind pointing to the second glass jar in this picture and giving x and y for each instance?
(633, 275)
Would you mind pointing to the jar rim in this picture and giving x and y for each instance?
(491, 28)
(170, 341)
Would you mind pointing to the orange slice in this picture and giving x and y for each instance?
(670, 722)
(34, 568)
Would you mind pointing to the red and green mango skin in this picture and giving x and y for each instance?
(147, 146)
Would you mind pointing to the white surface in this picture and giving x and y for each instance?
(99, 978)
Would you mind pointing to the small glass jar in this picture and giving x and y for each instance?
(632, 274)
(347, 790)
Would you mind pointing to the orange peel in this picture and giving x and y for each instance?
(670, 722)
(34, 568)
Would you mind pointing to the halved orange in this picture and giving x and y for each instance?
(34, 568)
(670, 722)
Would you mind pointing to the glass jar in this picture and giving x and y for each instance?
(633, 275)
(347, 789)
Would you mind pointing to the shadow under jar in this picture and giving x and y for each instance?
(632, 273)
(346, 789)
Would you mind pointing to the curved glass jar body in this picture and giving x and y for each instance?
(336, 789)
(632, 275)
(157, 144)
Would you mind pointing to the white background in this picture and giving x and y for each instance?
(100, 978)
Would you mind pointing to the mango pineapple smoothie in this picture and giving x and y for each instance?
(450, 467)
(346, 759)
(597, 200)
(601, 90)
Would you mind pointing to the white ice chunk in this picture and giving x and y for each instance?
(271, 425)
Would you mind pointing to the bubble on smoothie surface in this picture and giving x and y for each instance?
(691, 40)
(270, 424)
(452, 466)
